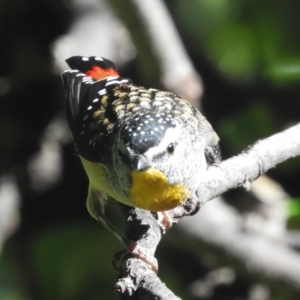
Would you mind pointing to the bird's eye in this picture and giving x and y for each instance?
(170, 148)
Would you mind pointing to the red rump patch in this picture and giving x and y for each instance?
(99, 73)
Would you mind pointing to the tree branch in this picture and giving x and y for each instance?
(178, 72)
(9, 207)
(249, 165)
(234, 172)
(266, 258)
(161, 47)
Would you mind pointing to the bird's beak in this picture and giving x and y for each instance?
(140, 163)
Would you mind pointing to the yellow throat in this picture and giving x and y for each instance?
(150, 190)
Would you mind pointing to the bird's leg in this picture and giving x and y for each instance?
(213, 155)
(95, 205)
(140, 245)
(131, 246)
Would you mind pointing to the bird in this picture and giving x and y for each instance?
(145, 148)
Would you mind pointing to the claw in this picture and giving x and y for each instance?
(246, 184)
(132, 248)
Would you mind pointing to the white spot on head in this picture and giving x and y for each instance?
(85, 58)
(98, 58)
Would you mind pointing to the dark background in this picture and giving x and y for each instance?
(248, 54)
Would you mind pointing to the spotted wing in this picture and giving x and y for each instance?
(88, 103)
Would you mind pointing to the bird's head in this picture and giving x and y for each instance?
(156, 151)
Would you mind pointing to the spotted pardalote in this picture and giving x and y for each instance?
(143, 147)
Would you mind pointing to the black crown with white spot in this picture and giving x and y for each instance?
(145, 130)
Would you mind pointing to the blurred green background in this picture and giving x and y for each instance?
(248, 54)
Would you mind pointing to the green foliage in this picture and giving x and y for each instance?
(285, 70)
(247, 126)
(294, 213)
(75, 259)
(236, 51)
(11, 294)
(71, 261)
(11, 287)
(246, 40)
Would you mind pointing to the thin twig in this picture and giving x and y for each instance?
(9, 207)
(178, 72)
